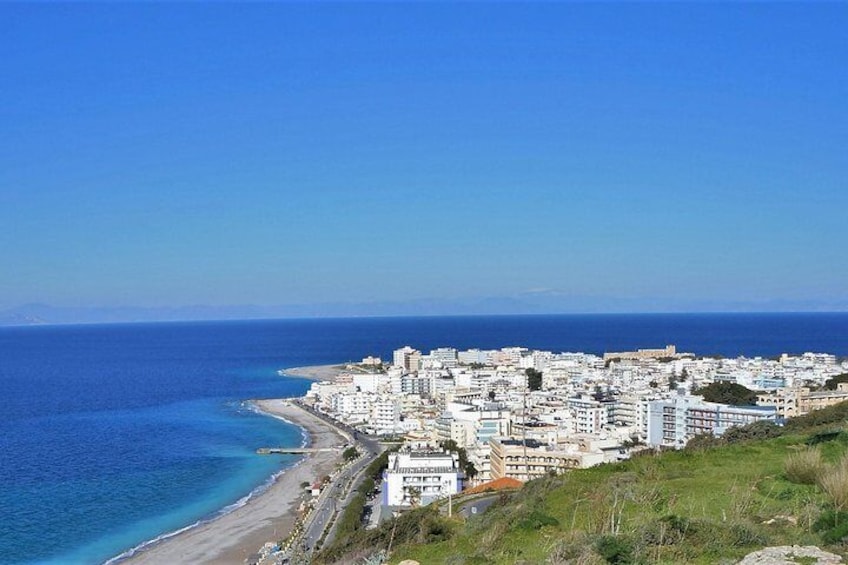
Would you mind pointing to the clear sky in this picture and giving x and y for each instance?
(166, 154)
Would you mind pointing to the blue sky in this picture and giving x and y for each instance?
(168, 154)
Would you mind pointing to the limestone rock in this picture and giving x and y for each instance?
(790, 555)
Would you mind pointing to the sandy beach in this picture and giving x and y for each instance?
(318, 372)
(269, 517)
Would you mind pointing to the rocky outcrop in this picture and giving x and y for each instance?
(791, 555)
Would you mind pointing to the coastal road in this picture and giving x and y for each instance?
(339, 493)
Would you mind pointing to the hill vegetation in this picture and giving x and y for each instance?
(727, 393)
(713, 502)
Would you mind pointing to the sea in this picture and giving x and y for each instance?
(113, 436)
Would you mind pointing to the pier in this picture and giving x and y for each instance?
(295, 450)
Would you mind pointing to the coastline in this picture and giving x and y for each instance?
(316, 372)
(266, 516)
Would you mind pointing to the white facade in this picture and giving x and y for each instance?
(673, 422)
(407, 358)
(385, 417)
(420, 477)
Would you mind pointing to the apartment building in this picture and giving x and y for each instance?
(418, 477)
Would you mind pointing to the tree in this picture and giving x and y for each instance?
(534, 379)
(467, 466)
(727, 393)
(350, 454)
(833, 383)
(491, 395)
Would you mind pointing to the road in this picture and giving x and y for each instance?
(338, 494)
(477, 506)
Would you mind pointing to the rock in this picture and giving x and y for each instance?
(790, 555)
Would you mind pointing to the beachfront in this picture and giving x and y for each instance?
(268, 517)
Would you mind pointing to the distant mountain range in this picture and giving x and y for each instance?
(543, 302)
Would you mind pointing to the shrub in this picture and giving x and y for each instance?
(753, 431)
(537, 520)
(823, 437)
(804, 467)
(832, 526)
(727, 393)
(615, 549)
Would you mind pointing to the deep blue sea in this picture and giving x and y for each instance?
(111, 435)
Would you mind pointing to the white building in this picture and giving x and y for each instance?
(385, 417)
(673, 422)
(446, 356)
(420, 477)
(407, 358)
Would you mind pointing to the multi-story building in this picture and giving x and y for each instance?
(408, 358)
(446, 356)
(674, 421)
(385, 417)
(417, 477)
(791, 402)
(460, 431)
(421, 385)
(525, 460)
(474, 357)
(589, 415)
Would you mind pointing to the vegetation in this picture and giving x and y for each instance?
(349, 527)
(727, 393)
(833, 383)
(350, 454)
(534, 379)
(805, 467)
(467, 466)
(757, 486)
(418, 526)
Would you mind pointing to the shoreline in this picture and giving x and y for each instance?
(316, 372)
(266, 516)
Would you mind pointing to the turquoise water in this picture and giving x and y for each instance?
(134, 437)
(114, 435)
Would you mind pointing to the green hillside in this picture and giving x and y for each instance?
(711, 503)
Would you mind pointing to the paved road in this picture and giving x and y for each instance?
(339, 493)
(477, 506)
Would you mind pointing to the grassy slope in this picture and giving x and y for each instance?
(688, 506)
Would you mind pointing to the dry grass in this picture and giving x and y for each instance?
(834, 482)
(805, 467)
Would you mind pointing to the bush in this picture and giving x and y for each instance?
(702, 442)
(824, 437)
(727, 393)
(615, 549)
(753, 431)
(804, 467)
(537, 520)
(832, 526)
(832, 383)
